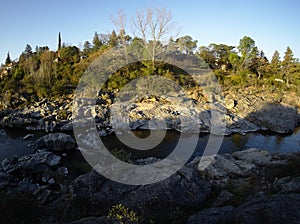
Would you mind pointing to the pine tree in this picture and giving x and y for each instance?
(8, 60)
(96, 42)
(28, 51)
(287, 64)
(87, 47)
(275, 64)
(113, 39)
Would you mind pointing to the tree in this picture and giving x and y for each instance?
(70, 54)
(287, 64)
(234, 60)
(59, 42)
(205, 54)
(153, 25)
(216, 55)
(45, 72)
(275, 65)
(87, 47)
(120, 23)
(248, 50)
(137, 46)
(28, 51)
(96, 42)
(40, 50)
(113, 39)
(8, 60)
(187, 44)
(259, 64)
(246, 46)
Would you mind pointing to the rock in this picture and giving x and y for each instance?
(270, 209)
(26, 137)
(94, 220)
(51, 181)
(67, 127)
(277, 117)
(55, 142)
(146, 161)
(287, 185)
(219, 167)
(255, 156)
(222, 168)
(26, 186)
(63, 171)
(35, 115)
(218, 215)
(32, 164)
(5, 180)
(223, 198)
(102, 133)
(185, 191)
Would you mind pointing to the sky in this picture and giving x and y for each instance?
(273, 24)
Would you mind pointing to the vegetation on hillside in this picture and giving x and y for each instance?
(44, 72)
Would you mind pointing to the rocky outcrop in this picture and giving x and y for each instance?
(42, 115)
(185, 190)
(274, 116)
(240, 112)
(55, 142)
(221, 169)
(266, 209)
(251, 186)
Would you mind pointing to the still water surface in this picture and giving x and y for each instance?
(12, 143)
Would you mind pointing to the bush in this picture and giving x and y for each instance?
(123, 214)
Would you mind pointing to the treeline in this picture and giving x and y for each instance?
(49, 73)
(44, 72)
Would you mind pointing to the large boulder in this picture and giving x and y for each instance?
(270, 209)
(93, 195)
(31, 164)
(218, 215)
(278, 117)
(55, 142)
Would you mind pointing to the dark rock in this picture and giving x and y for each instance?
(55, 142)
(255, 156)
(26, 186)
(87, 198)
(26, 137)
(185, 191)
(67, 127)
(273, 209)
(287, 185)
(217, 215)
(32, 164)
(223, 198)
(95, 220)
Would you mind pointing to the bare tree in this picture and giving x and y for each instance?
(120, 23)
(152, 26)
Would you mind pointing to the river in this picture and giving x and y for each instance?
(12, 143)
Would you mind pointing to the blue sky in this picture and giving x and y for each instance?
(272, 24)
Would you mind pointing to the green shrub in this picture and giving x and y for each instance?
(123, 214)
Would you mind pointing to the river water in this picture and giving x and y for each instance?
(12, 143)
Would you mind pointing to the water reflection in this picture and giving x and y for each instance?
(11, 143)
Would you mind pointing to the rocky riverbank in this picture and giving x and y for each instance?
(239, 112)
(251, 186)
